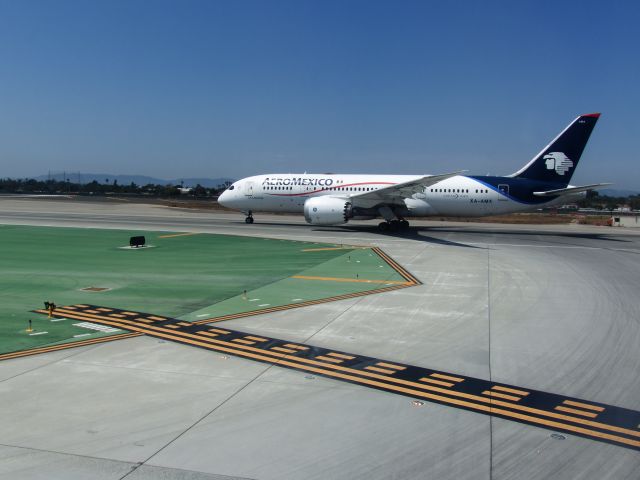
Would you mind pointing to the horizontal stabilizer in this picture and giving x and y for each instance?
(570, 190)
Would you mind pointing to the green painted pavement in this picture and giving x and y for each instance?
(358, 264)
(179, 275)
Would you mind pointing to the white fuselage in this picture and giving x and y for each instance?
(455, 196)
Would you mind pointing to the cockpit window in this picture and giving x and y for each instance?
(231, 187)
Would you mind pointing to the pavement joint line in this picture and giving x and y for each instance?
(66, 454)
(461, 398)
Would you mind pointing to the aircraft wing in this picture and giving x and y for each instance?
(569, 190)
(395, 193)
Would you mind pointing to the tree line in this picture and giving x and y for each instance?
(52, 187)
(56, 187)
(595, 200)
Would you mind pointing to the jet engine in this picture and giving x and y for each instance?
(327, 211)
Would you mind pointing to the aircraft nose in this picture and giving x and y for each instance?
(223, 199)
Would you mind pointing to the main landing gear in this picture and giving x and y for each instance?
(249, 218)
(393, 225)
(392, 222)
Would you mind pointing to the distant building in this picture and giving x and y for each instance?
(629, 221)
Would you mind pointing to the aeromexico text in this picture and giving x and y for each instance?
(305, 182)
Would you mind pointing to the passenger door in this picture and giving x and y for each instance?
(248, 189)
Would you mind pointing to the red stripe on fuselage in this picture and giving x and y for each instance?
(328, 189)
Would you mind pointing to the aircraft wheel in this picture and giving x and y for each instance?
(248, 220)
(404, 224)
(383, 226)
(395, 225)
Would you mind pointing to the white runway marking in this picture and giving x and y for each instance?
(93, 326)
(37, 333)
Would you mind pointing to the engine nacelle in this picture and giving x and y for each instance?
(327, 211)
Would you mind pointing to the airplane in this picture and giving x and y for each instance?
(335, 199)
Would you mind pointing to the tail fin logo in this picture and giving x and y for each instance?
(558, 161)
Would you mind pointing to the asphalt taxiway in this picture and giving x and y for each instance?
(543, 308)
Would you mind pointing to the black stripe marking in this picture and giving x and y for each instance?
(613, 425)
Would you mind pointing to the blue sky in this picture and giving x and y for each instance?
(203, 88)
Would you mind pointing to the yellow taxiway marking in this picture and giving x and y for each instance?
(510, 390)
(501, 395)
(357, 280)
(53, 348)
(286, 350)
(446, 377)
(219, 330)
(390, 365)
(178, 235)
(255, 339)
(286, 361)
(208, 334)
(381, 370)
(340, 355)
(329, 359)
(583, 405)
(436, 382)
(577, 412)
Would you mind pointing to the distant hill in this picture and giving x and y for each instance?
(83, 178)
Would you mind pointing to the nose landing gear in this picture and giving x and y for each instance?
(249, 218)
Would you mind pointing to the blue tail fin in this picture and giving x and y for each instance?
(558, 160)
